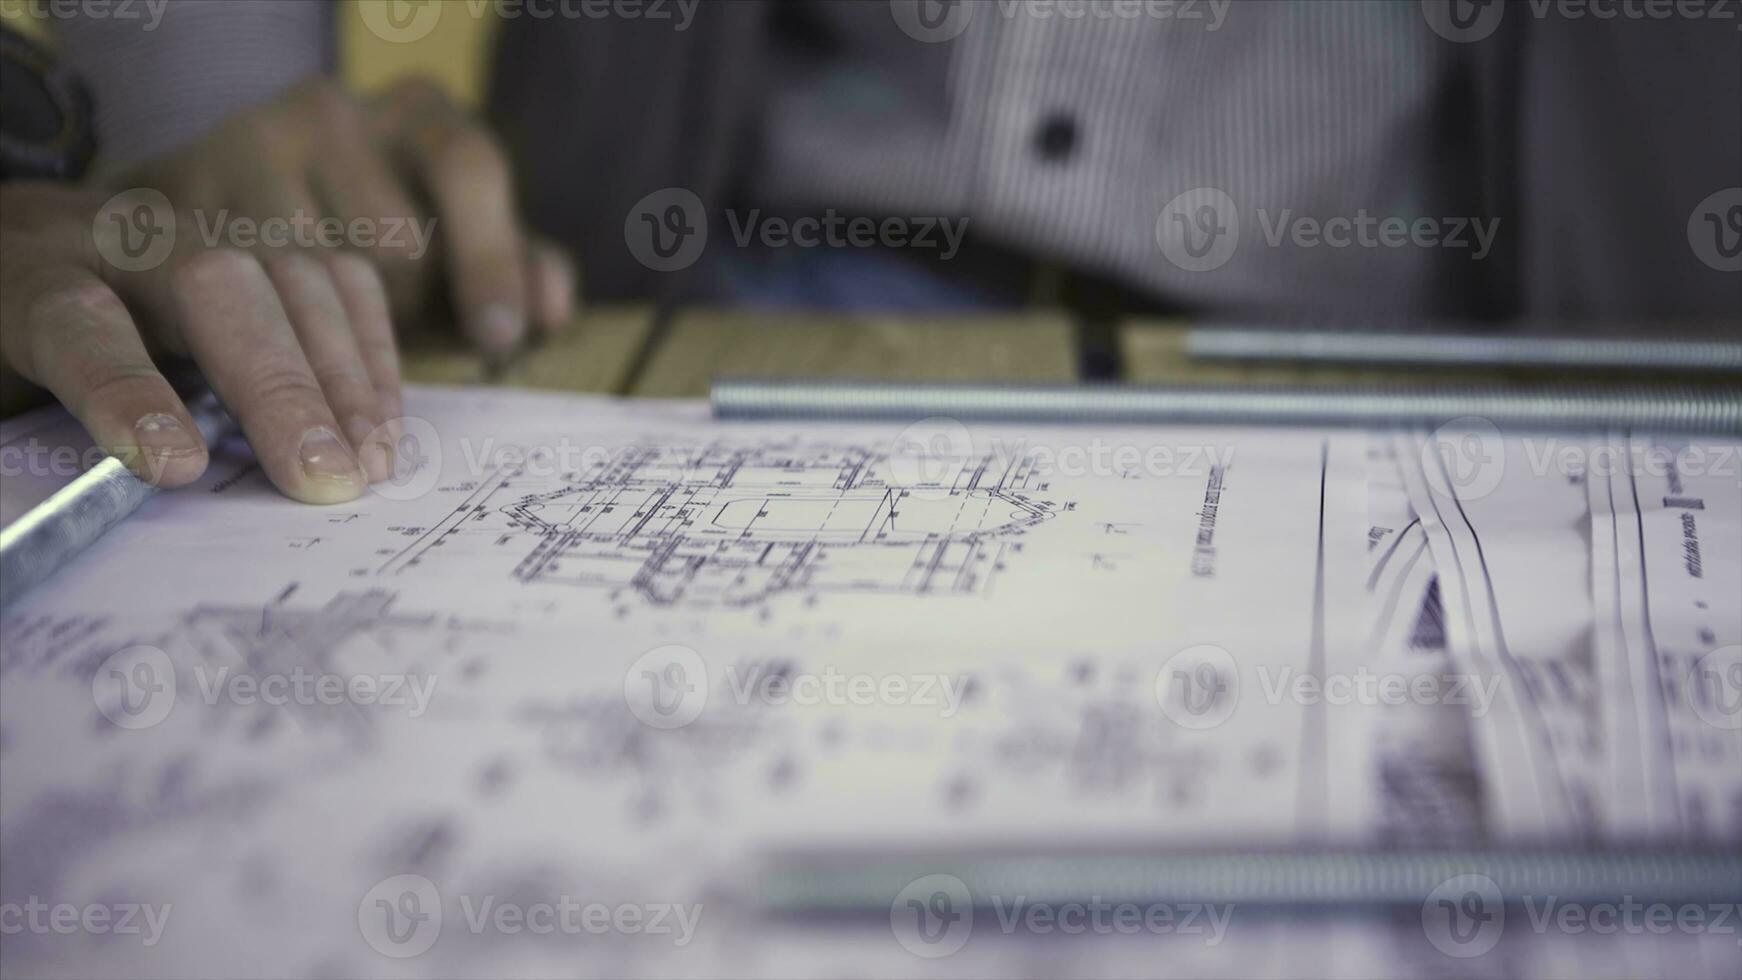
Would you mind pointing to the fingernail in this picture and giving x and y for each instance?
(162, 441)
(371, 445)
(500, 328)
(330, 467)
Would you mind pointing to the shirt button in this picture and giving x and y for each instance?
(1057, 138)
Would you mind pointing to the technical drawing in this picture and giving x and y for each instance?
(736, 525)
(277, 637)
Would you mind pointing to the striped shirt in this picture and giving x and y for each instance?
(1066, 130)
(1247, 157)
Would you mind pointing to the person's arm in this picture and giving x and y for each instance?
(166, 76)
(229, 107)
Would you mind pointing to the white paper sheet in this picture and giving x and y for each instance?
(1088, 631)
(602, 651)
(1554, 553)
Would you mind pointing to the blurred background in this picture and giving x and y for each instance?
(1119, 167)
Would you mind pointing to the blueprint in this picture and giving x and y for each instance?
(584, 653)
(1595, 582)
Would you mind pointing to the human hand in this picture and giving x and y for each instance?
(297, 343)
(415, 183)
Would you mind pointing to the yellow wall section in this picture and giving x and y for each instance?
(447, 40)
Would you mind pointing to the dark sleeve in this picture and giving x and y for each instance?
(1629, 169)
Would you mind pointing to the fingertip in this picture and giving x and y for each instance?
(329, 471)
(497, 328)
(554, 286)
(165, 450)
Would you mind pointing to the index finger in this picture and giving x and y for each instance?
(237, 329)
(463, 170)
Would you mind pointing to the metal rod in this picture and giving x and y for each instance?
(1235, 343)
(832, 884)
(54, 532)
(1676, 409)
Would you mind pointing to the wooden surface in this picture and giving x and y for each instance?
(594, 356)
(702, 345)
(602, 352)
(1154, 351)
